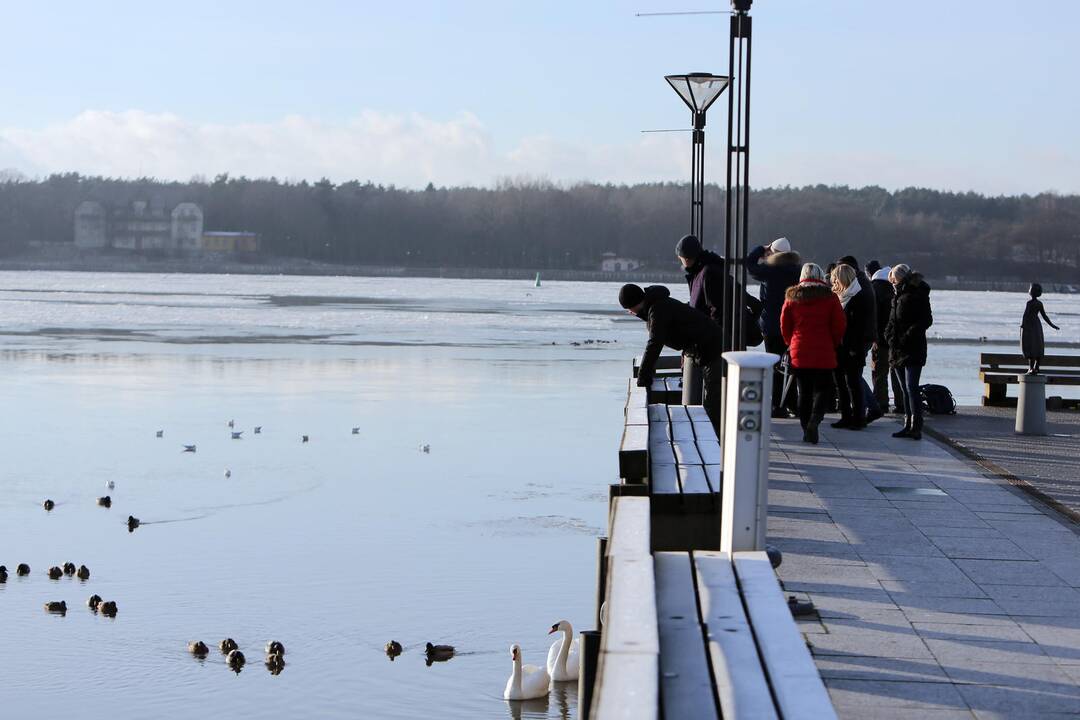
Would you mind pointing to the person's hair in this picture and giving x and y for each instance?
(899, 273)
(812, 271)
(872, 267)
(848, 260)
(842, 277)
(1035, 290)
(630, 295)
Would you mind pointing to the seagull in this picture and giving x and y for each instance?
(258, 429)
(161, 433)
(110, 484)
(189, 448)
(356, 431)
(303, 438)
(231, 423)
(236, 435)
(228, 473)
(425, 448)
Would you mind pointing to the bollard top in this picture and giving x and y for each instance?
(1031, 378)
(751, 359)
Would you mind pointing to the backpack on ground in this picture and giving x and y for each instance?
(937, 400)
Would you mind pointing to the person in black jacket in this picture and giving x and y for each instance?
(851, 355)
(909, 320)
(704, 276)
(679, 327)
(879, 356)
(776, 267)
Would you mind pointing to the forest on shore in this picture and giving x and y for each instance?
(539, 225)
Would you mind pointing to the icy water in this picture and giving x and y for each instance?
(333, 546)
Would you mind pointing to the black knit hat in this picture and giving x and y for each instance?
(688, 247)
(630, 295)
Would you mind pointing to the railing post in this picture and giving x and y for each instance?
(745, 502)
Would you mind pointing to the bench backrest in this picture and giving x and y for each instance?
(996, 361)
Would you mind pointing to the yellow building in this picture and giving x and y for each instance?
(230, 242)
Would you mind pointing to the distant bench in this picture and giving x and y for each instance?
(666, 386)
(999, 370)
(674, 452)
(698, 634)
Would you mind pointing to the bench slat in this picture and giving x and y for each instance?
(661, 453)
(715, 475)
(678, 413)
(686, 453)
(663, 362)
(710, 452)
(633, 452)
(664, 480)
(1051, 361)
(658, 413)
(692, 479)
(637, 416)
(685, 685)
(697, 413)
(794, 678)
(740, 681)
(681, 432)
(1011, 379)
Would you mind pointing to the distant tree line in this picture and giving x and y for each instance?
(534, 224)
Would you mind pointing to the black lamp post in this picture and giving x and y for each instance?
(737, 230)
(698, 91)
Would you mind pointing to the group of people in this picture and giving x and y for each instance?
(823, 322)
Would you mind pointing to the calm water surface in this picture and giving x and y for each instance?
(334, 546)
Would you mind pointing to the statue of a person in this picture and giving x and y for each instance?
(1032, 344)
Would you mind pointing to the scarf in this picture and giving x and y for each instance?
(849, 292)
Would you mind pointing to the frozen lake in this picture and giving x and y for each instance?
(338, 545)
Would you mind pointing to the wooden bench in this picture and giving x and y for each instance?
(999, 370)
(666, 364)
(697, 634)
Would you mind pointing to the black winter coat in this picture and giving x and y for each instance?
(679, 327)
(705, 278)
(909, 320)
(776, 274)
(860, 331)
(883, 294)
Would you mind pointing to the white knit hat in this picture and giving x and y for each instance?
(780, 245)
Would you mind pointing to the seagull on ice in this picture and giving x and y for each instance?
(236, 435)
(189, 448)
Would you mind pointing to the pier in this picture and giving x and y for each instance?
(942, 586)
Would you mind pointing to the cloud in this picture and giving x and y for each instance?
(404, 149)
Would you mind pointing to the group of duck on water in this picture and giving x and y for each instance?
(234, 657)
(95, 603)
(526, 682)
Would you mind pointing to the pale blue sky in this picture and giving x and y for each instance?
(959, 94)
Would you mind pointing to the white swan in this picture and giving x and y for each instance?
(527, 682)
(563, 658)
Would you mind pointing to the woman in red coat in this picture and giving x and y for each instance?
(812, 323)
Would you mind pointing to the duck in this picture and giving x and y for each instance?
(425, 448)
(93, 602)
(3, 574)
(235, 660)
(393, 649)
(69, 568)
(189, 448)
(236, 435)
(56, 607)
(110, 484)
(227, 645)
(232, 424)
(563, 655)
(275, 664)
(22, 570)
(107, 608)
(228, 473)
(83, 573)
(132, 523)
(48, 505)
(275, 648)
(55, 573)
(258, 429)
(437, 653)
(356, 431)
(161, 433)
(303, 438)
(198, 648)
(105, 502)
(526, 682)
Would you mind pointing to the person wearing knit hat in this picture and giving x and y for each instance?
(678, 326)
(704, 277)
(776, 268)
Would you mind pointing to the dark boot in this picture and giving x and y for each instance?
(906, 431)
(811, 433)
(916, 428)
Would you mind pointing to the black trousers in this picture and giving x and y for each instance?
(815, 392)
(775, 344)
(849, 393)
(712, 381)
(883, 378)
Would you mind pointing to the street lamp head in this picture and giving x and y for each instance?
(698, 90)
(741, 6)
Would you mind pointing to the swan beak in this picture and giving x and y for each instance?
(552, 630)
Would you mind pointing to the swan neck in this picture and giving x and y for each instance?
(564, 651)
(516, 677)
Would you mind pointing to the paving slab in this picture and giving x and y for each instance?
(942, 591)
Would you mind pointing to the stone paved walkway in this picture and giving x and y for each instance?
(1050, 465)
(942, 591)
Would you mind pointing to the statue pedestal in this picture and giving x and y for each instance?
(1031, 405)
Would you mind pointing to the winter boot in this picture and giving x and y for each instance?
(906, 431)
(916, 428)
(811, 433)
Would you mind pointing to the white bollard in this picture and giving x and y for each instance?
(745, 503)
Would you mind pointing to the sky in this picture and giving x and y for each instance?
(956, 95)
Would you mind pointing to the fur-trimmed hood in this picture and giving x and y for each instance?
(805, 291)
(914, 283)
(784, 258)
